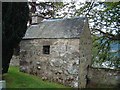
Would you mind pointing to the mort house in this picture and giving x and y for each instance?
(58, 50)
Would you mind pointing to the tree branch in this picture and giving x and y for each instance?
(108, 35)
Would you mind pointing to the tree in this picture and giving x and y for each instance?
(106, 22)
(44, 10)
(104, 17)
(14, 25)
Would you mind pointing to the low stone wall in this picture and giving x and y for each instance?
(103, 78)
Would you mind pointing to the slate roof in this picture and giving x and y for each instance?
(57, 28)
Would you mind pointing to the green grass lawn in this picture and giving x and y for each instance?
(16, 79)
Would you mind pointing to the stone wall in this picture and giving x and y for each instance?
(85, 55)
(15, 61)
(61, 65)
(103, 78)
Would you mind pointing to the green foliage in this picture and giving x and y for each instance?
(16, 79)
(104, 23)
(103, 53)
(107, 23)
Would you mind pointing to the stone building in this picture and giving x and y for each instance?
(58, 50)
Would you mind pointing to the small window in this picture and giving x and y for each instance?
(46, 49)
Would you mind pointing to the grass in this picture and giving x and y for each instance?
(16, 79)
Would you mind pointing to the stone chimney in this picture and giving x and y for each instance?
(36, 19)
